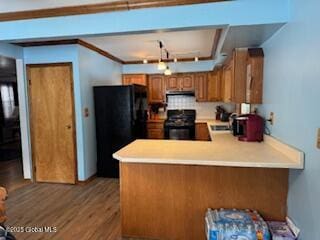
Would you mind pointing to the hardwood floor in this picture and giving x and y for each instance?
(79, 212)
(11, 176)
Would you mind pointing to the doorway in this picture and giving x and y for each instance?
(52, 123)
(11, 170)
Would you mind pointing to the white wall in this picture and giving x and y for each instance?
(94, 69)
(292, 92)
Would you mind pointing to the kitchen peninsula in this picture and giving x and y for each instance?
(167, 185)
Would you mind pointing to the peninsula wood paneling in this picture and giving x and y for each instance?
(169, 201)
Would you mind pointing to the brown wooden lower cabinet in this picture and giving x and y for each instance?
(155, 129)
(167, 201)
(202, 132)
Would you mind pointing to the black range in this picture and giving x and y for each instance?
(180, 124)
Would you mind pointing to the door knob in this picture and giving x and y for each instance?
(68, 126)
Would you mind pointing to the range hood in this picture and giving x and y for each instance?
(181, 93)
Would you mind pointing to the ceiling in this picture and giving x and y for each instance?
(136, 47)
(24, 5)
(248, 36)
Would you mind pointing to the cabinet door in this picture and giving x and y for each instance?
(128, 79)
(155, 133)
(254, 80)
(214, 86)
(187, 82)
(155, 130)
(202, 132)
(226, 88)
(156, 88)
(201, 86)
(239, 82)
(172, 83)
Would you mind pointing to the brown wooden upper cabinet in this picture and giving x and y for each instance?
(227, 83)
(180, 82)
(242, 77)
(208, 86)
(187, 82)
(172, 83)
(201, 86)
(255, 76)
(156, 88)
(214, 85)
(128, 79)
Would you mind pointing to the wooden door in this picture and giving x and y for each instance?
(52, 123)
(156, 89)
(200, 82)
(128, 79)
(172, 83)
(187, 82)
(214, 86)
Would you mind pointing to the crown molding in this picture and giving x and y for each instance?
(96, 8)
(114, 58)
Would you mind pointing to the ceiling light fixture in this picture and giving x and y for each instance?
(161, 64)
(145, 61)
(167, 72)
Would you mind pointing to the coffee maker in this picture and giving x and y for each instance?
(248, 128)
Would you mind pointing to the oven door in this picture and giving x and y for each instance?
(179, 133)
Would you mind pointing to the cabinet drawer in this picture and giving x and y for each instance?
(155, 133)
(155, 125)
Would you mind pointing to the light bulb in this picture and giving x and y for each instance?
(161, 65)
(175, 60)
(167, 72)
(145, 61)
(196, 59)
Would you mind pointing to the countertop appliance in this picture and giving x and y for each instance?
(180, 124)
(220, 128)
(121, 117)
(249, 127)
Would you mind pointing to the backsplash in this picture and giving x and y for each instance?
(204, 109)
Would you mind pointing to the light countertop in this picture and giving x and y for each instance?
(223, 150)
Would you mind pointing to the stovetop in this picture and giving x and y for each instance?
(179, 122)
(180, 118)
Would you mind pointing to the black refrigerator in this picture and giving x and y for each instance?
(121, 117)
